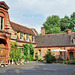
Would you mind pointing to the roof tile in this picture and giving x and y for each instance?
(20, 28)
(55, 39)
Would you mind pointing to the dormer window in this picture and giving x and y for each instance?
(1, 23)
(32, 38)
(21, 36)
(27, 37)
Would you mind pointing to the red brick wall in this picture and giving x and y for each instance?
(44, 51)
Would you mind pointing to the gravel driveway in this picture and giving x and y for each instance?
(37, 68)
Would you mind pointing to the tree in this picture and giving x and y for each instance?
(65, 23)
(31, 51)
(52, 24)
(72, 18)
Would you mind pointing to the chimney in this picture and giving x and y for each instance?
(69, 31)
(42, 31)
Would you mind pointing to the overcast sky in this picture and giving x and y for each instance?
(33, 13)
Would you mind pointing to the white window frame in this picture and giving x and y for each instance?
(27, 37)
(32, 38)
(21, 36)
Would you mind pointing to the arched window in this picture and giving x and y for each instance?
(1, 23)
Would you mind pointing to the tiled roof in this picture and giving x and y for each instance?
(62, 39)
(20, 28)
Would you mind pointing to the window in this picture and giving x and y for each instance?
(61, 53)
(32, 38)
(1, 51)
(39, 52)
(21, 36)
(27, 37)
(48, 49)
(1, 23)
(74, 40)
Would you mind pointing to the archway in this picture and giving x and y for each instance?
(3, 46)
(2, 41)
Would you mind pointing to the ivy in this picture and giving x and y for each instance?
(28, 52)
(26, 48)
(31, 51)
(15, 52)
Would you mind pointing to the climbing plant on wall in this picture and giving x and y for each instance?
(26, 50)
(15, 52)
(31, 51)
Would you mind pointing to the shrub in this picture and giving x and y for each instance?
(73, 58)
(49, 58)
(23, 57)
(36, 56)
(71, 61)
(60, 60)
(66, 61)
(40, 59)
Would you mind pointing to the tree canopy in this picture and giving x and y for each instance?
(54, 24)
(64, 23)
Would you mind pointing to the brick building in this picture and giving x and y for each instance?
(11, 32)
(60, 44)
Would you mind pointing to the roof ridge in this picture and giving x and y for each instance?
(52, 34)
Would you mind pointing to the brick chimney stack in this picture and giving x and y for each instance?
(42, 31)
(69, 31)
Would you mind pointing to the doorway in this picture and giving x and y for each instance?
(71, 55)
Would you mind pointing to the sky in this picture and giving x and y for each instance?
(33, 13)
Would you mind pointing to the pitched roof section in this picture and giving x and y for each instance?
(20, 28)
(62, 39)
(4, 5)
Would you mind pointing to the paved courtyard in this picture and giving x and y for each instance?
(37, 68)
